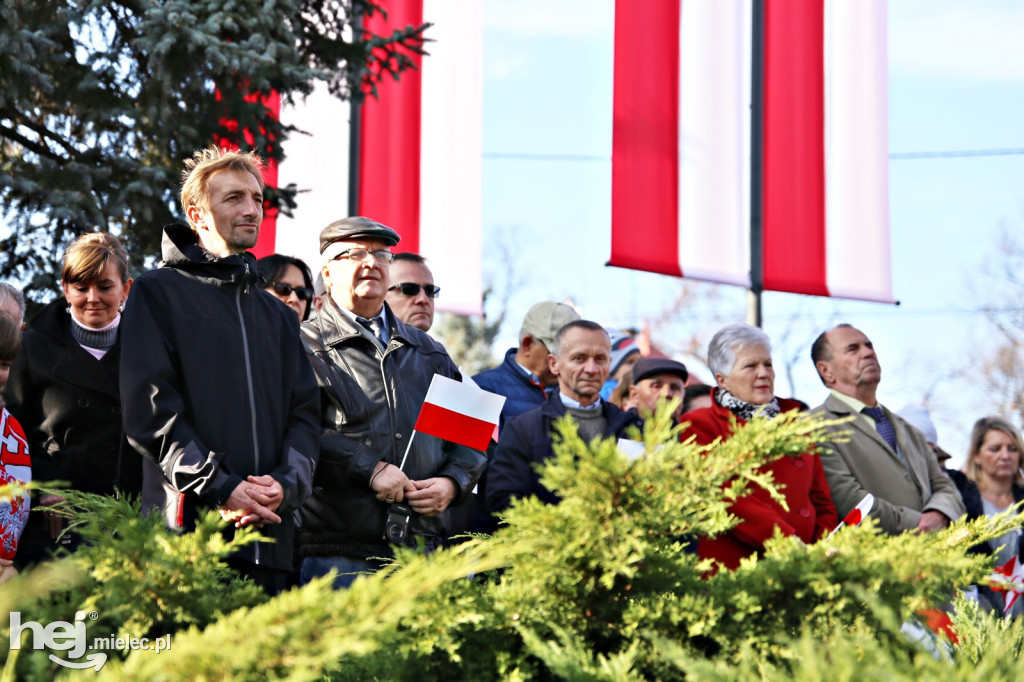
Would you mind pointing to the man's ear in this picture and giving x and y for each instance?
(824, 371)
(553, 364)
(195, 216)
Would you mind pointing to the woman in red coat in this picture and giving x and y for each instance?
(741, 358)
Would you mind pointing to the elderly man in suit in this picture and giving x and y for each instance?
(884, 455)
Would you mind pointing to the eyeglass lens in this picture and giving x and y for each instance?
(282, 289)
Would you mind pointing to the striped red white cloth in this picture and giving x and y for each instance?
(681, 200)
(460, 412)
(421, 154)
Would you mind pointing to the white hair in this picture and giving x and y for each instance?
(9, 292)
(728, 341)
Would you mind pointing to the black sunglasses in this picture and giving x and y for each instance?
(411, 289)
(282, 289)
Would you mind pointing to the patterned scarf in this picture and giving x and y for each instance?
(743, 409)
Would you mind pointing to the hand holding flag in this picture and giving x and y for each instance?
(857, 514)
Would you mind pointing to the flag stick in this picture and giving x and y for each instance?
(407, 448)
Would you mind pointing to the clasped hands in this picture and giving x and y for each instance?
(428, 497)
(254, 502)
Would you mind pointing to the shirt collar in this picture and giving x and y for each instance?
(382, 316)
(855, 404)
(569, 402)
(533, 377)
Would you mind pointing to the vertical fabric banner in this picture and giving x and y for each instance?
(420, 156)
(681, 198)
(421, 148)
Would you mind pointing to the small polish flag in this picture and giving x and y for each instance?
(459, 412)
(1010, 572)
(858, 513)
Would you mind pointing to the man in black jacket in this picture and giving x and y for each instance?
(374, 372)
(216, 391)
(580, 359)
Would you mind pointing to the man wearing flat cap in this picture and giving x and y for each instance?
(658, 380)
(372, 489)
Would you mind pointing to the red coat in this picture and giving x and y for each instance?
(811, 513)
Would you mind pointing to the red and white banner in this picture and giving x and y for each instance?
(459, 412)
(420, 153)
(681, 201)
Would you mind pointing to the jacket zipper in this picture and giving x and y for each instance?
(248, 378)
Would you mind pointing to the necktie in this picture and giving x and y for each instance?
(373, 326)
(882, 425)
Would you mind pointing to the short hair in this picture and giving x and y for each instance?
(10, 339)
(692, 392)
(272, 269)
(981, 428)
(728, 341)
(576, 324)
(821, 349)
(9, 292)
(409, 257)
(87, 257)
(195, 179)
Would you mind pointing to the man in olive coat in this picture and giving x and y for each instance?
(884, 455)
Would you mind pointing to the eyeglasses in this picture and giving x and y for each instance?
(412, 289)
(361, 255)
(282, 289)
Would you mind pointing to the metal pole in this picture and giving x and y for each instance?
(354, 128)
(754, 316)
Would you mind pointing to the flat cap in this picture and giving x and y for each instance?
(355, 227)
(649, 367)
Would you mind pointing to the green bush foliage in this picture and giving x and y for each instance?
(599, 587)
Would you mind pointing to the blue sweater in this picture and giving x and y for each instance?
(508, 379)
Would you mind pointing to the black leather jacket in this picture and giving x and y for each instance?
(370, 399)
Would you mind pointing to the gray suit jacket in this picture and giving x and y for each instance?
(866, 464)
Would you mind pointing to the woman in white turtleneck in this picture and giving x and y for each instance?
(64, 389)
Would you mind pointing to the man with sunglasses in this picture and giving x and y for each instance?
(374, 371)
(412, 291)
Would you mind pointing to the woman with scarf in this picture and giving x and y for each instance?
(64, 388)
(741, 358)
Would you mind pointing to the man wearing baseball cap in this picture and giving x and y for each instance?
(374, 371)
(524, 377)
(658, 380)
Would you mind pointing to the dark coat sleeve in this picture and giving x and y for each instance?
(301, 442)
(511, 473)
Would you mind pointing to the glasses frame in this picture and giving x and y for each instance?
(382, 257)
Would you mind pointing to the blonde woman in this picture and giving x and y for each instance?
(64, 388)
(993, 481)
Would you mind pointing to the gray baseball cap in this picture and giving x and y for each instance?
(544, 319)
